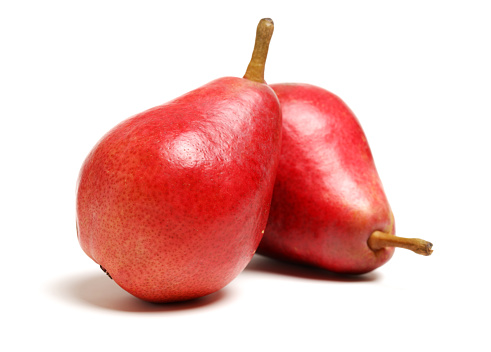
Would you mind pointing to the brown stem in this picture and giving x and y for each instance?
(255, 70)
(379, 240)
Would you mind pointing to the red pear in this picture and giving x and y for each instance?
(172, 202)
(329, 208)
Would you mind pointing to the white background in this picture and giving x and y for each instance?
(418, 76)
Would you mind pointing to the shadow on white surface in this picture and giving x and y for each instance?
(99, 291)
(271, 266)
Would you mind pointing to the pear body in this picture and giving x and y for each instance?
(328, 198)
(173, 201)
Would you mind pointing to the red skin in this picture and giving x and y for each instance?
(173, 202)
(328, 198)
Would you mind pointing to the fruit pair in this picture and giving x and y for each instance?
(173, 202)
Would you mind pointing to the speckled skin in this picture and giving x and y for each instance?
(173, 202)
(328, 197)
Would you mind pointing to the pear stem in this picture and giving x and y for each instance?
(379, 240)
(255, 70)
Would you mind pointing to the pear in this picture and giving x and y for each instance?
(172, 202)
(329, 208)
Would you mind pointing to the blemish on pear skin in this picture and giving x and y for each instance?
(107, 273)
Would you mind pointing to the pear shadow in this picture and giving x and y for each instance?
(99, 291)
(264, 264)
